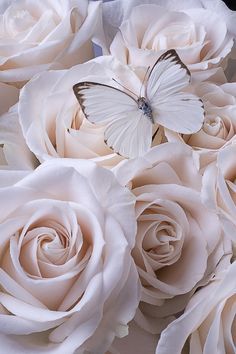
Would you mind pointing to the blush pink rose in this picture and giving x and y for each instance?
(39, 35)
(179, 241)
(208, 323)
(68, 281)
(114, 13)
(219, 126)
(199, 36)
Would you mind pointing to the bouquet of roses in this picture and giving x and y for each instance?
(117, 177)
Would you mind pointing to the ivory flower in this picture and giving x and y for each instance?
(67, 278)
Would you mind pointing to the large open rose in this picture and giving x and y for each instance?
(53, 122)
(38, 35)
(200, 37)
(114, 13)
(179, 241)
(67, 278)
(208, 323)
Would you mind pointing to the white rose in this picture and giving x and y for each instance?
(179, 241)
(38, 35)
(114, 13)
(219, 126)
(199, 36)
(208, 323)
(68, 281)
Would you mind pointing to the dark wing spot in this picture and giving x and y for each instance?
(171, 53)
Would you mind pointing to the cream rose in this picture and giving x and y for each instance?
(208, 323)
(39, 35)
(179, 241)
(68, 281)
(52, 121)
(199, 36)
(219, 126)
(114, 13)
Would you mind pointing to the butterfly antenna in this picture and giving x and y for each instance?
(125, 87)
(144, 81)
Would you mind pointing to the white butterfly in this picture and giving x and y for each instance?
(129, 121)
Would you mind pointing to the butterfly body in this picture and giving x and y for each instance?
(145, 107)
(129, 120)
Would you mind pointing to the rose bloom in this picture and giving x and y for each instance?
(68, 281)
(179, 241)
(114, 13)
(208, 324)
(52, 120)
(219, 125)
(199, 36)
(39, 35)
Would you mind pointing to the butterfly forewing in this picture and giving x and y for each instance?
(168, 75)
(179, 111)
(128, 132)
(103, 103)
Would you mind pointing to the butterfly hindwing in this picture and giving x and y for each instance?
(135, 135)
(168, 75)
(179, 111)
(127, 131)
